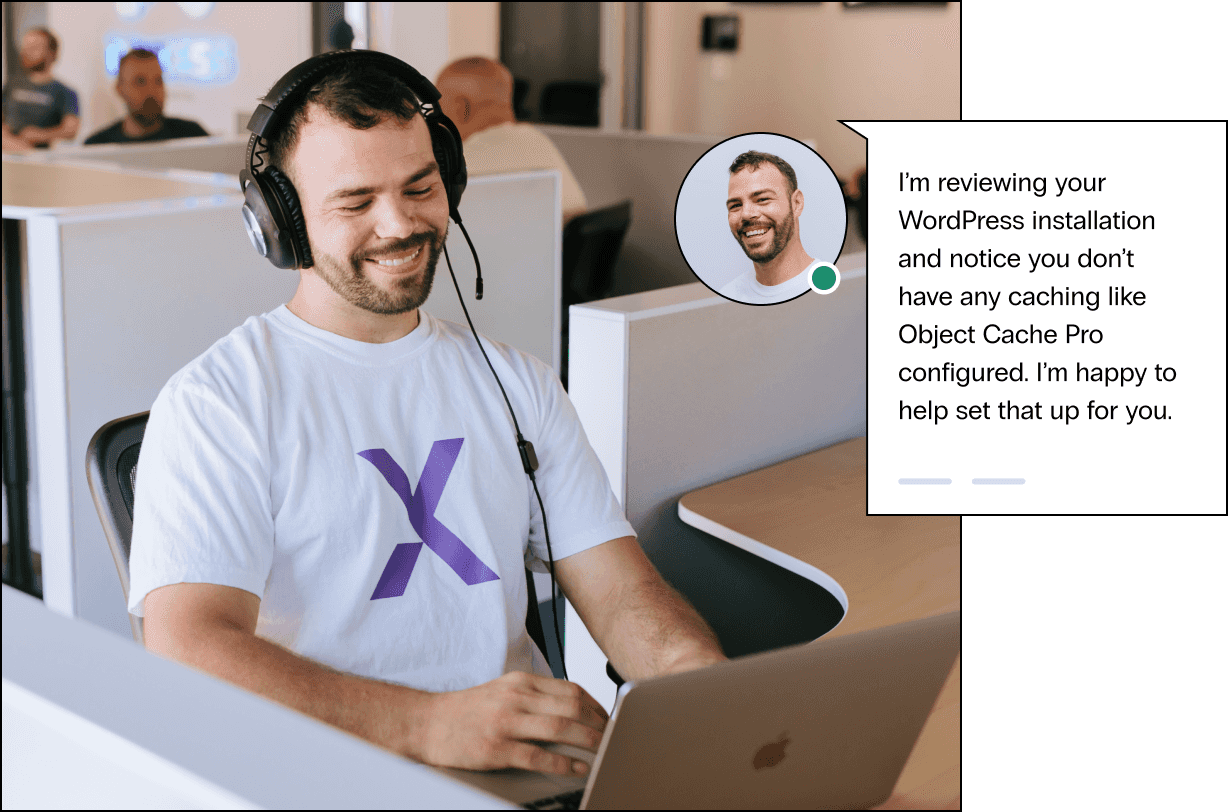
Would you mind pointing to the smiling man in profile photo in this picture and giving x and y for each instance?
(764, 206)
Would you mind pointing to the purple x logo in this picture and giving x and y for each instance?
(421, 508)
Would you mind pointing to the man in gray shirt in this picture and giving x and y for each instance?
(38, 110)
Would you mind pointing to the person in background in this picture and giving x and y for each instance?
(341, 37)
(477, 96)
(38, 110)
(139, 84)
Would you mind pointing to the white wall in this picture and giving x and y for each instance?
(799, 69)
(416, 33)
(473, 30)
(270, 39)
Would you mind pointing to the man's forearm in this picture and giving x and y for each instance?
(391, 716)
(656, 631)
(45, 135)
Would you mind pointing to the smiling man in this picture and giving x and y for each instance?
(333, 511)
(764, 206)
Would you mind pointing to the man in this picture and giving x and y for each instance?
(764, 206)
(333, 511)
(477, 96)
(38, 110)
(139, 84)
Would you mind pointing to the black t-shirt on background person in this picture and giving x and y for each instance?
(171, 128)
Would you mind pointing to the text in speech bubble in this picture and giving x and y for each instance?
(1046, 328)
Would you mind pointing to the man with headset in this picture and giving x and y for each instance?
(334, 509)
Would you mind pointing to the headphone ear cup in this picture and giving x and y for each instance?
(446, 142)
(292, 215)
(269, 233)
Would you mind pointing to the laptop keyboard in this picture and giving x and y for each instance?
(565, 800)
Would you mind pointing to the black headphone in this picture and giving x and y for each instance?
(271, 211)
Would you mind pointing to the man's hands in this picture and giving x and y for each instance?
(493, 725)
(14, 143)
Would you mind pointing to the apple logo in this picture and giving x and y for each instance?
(772, 753)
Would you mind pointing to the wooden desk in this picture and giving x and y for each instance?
(892, 568)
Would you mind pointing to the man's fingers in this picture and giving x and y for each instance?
(530, 757)
(559, 729)
(563, 688)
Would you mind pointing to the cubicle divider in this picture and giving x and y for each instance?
(648, 170)
(93, 721)
(516, 224)
(222, 154)
(680, 388)
(517, 231)
(121, 296)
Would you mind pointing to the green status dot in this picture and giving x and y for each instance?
(824, 277)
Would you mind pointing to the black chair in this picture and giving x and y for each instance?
(111, 460)
(573, 103)
(110, 463)
(591, 243)
(520, 94)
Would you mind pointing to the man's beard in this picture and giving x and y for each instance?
(781, 235)
(148, 114)
(351, 280)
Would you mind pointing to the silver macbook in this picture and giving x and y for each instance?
(827, 725)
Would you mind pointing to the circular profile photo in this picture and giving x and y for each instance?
(760, 219)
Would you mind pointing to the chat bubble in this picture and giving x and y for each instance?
(1046, 327)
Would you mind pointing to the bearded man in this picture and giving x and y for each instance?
(764, 206)
(139, 84)
(38, 109)
(333, 511)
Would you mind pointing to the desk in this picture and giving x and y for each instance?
(893, 569)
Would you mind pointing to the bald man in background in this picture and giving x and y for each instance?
(477, 96)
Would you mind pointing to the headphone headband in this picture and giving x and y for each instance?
(271, 213)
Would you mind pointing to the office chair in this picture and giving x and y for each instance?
(591, 243)
(110, 462)
(573, 103)
(520, 94)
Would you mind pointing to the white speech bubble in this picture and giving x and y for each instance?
(962, 215)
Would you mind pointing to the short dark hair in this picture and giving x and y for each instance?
(754, 160)
(359, 93)
(135, 53)
(52, 43)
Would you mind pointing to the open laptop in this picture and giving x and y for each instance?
(826, 725)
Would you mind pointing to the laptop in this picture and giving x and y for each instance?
(826, 725)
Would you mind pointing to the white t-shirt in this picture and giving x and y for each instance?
(746, 288)
(371, 495)
(516, 146)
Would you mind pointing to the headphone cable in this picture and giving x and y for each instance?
(527, 455)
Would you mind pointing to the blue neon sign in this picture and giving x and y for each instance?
(185, 59)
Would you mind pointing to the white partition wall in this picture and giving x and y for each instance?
(515, 222)
(680, 388)
(648, 170)
(223, 154)
(118, 302)
(93, 721)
